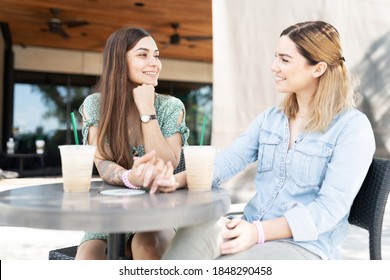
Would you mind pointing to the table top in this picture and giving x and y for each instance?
(48, 207)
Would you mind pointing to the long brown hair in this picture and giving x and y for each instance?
(319, 41)
(116, 97)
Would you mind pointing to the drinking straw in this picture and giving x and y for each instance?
(76, 139)
(203, 129)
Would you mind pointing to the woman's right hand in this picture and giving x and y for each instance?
(171, 183)
(165, 181)
(144, 98)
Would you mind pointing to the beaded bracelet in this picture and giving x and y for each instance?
(126, 181)
(260, 232)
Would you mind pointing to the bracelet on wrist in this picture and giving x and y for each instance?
(260, 232)
(126, 182)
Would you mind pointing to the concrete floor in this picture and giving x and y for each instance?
(35, 244)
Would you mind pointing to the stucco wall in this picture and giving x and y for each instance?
(2, 48)
(77, 62)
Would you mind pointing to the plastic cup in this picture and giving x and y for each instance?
(199, 167)
(77, 166)
(40, 145)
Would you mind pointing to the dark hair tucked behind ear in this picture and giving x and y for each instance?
(319, 41)
(115, 90)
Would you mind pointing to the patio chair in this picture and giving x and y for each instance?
(69, 253)
(368, 208)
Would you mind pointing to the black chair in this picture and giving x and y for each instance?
(182, 164)
(69, 253)
(368, 208)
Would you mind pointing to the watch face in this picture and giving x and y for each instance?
(145, 118)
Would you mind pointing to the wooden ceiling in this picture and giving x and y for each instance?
(28, 21)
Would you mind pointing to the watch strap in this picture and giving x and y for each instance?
(147, 118)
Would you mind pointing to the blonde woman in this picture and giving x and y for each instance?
(312, 155)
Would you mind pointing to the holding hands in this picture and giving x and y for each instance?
(239, 235)
(152, 173)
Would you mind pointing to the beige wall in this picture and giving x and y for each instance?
(2, 49)
(245, 34)
(89, 63)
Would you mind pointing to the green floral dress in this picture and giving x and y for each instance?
(168, 109)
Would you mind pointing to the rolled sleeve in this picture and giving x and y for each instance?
(301, 222)
(91, 105)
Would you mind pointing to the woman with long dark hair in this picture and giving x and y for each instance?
(125, 119)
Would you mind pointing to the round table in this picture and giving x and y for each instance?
(48, 207)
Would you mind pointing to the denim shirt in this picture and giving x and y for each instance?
(312, 184)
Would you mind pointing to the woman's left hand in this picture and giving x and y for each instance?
(143, 169)
(238, 236)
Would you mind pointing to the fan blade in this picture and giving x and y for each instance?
(76, 23)
(197, 38)
(62, 33)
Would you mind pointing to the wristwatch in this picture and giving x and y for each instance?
(147, 118)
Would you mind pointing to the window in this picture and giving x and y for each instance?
(43, 112)
(43, 102)
(197, 99)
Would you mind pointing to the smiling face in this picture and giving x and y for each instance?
(144, 63)
(293, 74)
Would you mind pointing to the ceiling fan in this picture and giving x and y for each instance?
(176, 38)
(56, 25)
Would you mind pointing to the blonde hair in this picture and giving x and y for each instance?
(319, 41)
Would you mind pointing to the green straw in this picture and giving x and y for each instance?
(76, 139)
(203, 129)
